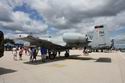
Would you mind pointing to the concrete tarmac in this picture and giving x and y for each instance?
(78, 68)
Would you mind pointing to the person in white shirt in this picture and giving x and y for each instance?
(14, 52)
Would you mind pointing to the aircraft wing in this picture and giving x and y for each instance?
(43, 43)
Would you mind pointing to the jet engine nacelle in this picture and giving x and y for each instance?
(74, 38)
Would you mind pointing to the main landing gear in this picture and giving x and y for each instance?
(53, 54)
(67, 53)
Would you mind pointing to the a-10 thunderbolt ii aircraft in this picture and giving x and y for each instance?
(99, 41)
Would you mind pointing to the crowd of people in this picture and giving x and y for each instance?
(32, 52)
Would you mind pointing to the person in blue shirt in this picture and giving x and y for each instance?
(33, 54)
(43, 53)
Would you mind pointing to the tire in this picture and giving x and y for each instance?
(101, 50)
(52, 56)
(66, 54)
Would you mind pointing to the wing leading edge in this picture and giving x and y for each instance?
(43, 43)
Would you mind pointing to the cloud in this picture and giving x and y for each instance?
(23, 23)
(12, 3)
(64, 15)
(5, 13)
(28, 24)
(80, 14)
(18, 21)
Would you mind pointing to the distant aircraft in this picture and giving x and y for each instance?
(1, 44)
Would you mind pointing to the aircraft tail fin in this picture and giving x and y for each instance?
(101, 37)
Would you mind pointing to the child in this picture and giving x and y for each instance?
(20, 53)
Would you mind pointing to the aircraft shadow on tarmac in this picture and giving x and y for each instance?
(105, 60)
(6, 71)
(74, 57)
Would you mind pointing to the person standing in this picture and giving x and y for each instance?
(30, 53)
(34, 54)
(20, 53)
(85, 51)
(26, 50)
(14, 52)
(43, 53)
(59, 53)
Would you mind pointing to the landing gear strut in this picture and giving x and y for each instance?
(52, 55)
(66, 54)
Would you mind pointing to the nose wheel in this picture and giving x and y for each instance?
(67, 53)
(52, 56)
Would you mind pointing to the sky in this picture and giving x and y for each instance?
(55, 17)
